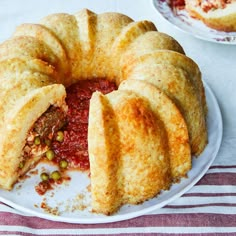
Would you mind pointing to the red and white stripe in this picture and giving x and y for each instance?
(209, 208)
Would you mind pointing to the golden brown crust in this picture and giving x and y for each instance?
(103, 155)
(131, 33)
(64, 27)
(43, 34)
(143, 147)
(130, 151)
(173, 121)
(149, 42)
(108, 27)
(86, 21)
(15, 66)
(179, 78)
(17, 86)
(137, 135)
(19, 120)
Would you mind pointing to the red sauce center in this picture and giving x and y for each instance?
(178, 3)
(74, 148)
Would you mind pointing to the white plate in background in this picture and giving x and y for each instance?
(181, 19)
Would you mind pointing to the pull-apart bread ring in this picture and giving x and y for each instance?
(140, 137)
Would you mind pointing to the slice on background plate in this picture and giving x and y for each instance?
(178, 16)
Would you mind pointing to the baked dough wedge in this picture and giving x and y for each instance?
(138, 141)
(41, 33)
(173, 121)
(179, 77)
(20, 119)
(128, 150)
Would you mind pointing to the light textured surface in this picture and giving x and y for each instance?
(208, 205)
(141, 121)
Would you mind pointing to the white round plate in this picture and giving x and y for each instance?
(181, 19)
(69, 202)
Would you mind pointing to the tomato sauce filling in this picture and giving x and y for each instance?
(178, 3)
(62, 137)
(74, 147)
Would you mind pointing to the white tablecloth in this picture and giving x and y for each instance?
(210, 206)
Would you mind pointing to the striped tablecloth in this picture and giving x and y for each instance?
(209, 208)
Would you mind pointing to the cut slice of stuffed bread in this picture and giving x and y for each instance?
(143, 140)
(20, 120)
(128, 148)
(220, 16)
